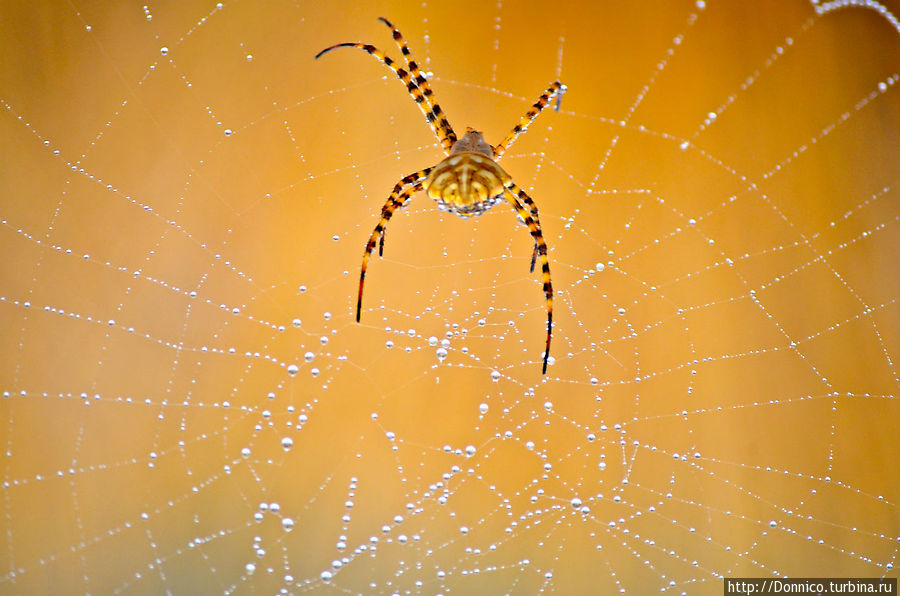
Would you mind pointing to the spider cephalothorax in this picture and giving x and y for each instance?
(468, 181)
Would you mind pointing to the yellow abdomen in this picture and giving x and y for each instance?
(467, 183)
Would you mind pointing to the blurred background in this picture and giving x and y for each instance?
(188, 405)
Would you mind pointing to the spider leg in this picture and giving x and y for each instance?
(526, 200)
(410, 179)
(397, 199)
(421, 81)
(556, 88)
(417, 94)
(535, 229)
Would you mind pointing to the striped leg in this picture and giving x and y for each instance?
(411, 179)
(421, 82)
(397, 199)
(526, 200)
(411, 86)
(535, 230)
(556, 88)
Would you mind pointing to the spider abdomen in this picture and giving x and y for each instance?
(467, 183)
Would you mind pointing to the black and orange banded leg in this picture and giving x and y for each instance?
(556, 88)
(397, 199)
(535, 230)
(526, 200)
(421, 81)
(411, 179)
(411, 86)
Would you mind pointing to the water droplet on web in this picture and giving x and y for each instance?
(293, 369)
(287, 523)
(483, 408)
(495, 375)
(441, 353)
(164, 50)
(309, 356)
(287, 443)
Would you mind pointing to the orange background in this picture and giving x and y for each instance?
(723, 394)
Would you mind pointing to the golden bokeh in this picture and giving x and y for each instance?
(189, 406)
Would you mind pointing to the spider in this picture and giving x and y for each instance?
(468, 181)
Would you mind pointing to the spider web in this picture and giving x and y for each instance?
(190, 407)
